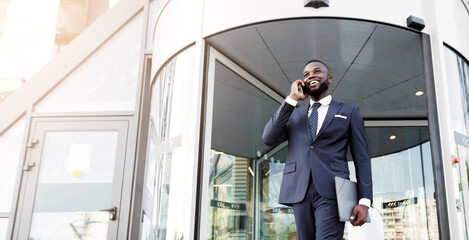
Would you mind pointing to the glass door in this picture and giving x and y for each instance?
(403, 186)
(403, 190)
(73, 176)
(240, 111)
(274, 220)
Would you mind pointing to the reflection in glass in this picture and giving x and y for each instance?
(231, 196)
(74, 17)
(159, 161)
(403, 189)
(169, 171)
(457, 75)
(10, 149)
(69, 225)
(106, 81)
(403, 193)
(276, 220)
(75, 182)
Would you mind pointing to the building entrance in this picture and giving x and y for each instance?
(242, 176)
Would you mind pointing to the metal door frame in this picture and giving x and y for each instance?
(213, 57)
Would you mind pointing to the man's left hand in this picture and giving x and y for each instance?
(359, 215)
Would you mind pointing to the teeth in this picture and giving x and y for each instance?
(313, 82)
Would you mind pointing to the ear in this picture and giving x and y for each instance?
(329, 79)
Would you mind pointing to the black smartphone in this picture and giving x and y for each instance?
(304, 90)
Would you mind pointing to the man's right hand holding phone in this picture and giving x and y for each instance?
(296, 91)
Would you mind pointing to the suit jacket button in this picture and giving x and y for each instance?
(312, 147)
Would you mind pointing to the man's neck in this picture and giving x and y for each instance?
(318, 98)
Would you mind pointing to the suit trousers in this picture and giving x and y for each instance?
(317, 217)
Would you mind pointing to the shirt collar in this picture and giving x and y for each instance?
(324, 102)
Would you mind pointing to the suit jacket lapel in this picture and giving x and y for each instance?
(334, 107)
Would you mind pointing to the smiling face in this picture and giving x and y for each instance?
(317, 78)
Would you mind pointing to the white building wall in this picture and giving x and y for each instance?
(176, 27)
(177, 21)
(225, 14)
(453, 25)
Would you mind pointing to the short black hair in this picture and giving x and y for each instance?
(321, 62)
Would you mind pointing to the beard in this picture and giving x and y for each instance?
(320, 90)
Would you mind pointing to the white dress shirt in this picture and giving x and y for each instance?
(322, 111)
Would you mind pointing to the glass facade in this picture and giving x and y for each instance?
(10, 149)
(457, 74)
(95, 86)
(74, 17)
(168, 188)
(32, 33)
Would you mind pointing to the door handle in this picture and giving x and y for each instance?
(112, 213)
(28, 166)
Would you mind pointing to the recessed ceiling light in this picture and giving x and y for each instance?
(392, 137)
(419, 93)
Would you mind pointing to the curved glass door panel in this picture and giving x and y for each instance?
(457, 75)
(402, 187)
(403, 190)
(231, 196)
(275, 221)
(240, 112)
(169, 177)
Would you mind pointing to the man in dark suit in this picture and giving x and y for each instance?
(318, 136)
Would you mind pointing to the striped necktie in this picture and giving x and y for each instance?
(313, 120)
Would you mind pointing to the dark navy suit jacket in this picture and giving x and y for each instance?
(325, 157)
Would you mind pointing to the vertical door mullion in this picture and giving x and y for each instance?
(31, 182)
